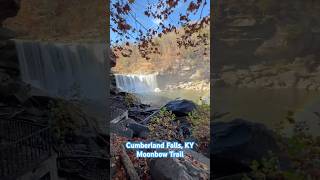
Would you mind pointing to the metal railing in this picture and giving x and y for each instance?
(23, 145)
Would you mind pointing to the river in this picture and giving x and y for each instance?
(160, 98)
(268, 106)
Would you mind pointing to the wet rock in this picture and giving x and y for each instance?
(237, 143)
(181, 107)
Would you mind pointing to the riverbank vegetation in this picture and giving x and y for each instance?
(164, 126)
(200, 120)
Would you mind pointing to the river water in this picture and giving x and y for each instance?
(264, 106)
(268, 106)
(158, 99)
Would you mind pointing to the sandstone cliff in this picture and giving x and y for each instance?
(63, 20)
(251, 31)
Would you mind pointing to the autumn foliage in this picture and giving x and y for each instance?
(145, 40)
(170, 54)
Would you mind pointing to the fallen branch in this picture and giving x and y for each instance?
(147, 119)
(133, 175)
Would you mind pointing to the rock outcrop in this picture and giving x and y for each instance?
(60, 20)
(251, 32)
(9, 66)
(297, 74)
(181, 169)
(203, 85)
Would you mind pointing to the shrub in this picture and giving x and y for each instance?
(130, 99)
(165, 126)
(267, 167)
(303, 152)
(65, 118)
(200, 120)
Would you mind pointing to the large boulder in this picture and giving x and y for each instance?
(237, 143)
(139, 130)
(181, 107)
(193, 166)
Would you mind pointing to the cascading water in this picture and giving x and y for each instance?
(137, 83)
(62, 69)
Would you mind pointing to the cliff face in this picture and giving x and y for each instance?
(251, 31)
(8, 57)
(268, 43)
(56, 20)
(64, 20)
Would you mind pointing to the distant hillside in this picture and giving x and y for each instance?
(171, 56)
(60, 19)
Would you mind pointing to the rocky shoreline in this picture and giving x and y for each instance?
(203, 85)
(302, 73)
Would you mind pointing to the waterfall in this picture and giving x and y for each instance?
(137, 83)
(64, 70)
